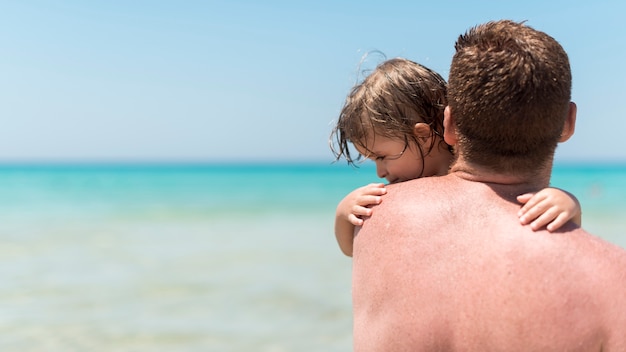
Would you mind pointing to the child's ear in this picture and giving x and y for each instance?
(421, 130)
(449, 131)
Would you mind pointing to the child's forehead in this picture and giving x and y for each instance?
(372, 142)
(361, 149)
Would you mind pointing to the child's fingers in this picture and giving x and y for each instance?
(375, 185)
(354, 220)
(368, 200)
(361, 211)
(524, 197)
(560, 220)
(530, 212)
(377, 189)
(529, 200)
(544, 219)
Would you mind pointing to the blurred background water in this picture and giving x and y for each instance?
(198, 257)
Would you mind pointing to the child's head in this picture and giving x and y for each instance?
(395, 117)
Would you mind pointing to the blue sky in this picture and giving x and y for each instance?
(257, 80)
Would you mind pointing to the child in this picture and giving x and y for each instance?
(395, 118)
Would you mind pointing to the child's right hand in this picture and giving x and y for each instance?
(352, 209)
(356, 205)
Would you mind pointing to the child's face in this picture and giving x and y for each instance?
(399, 160)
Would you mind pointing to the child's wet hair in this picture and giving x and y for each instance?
(398, 94)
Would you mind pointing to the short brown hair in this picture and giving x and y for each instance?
(509, 91)
(398, 94)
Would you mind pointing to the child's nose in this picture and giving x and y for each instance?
(381, 171)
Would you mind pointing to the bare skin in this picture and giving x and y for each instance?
(453, 270)
(444, 282)
(550, 207)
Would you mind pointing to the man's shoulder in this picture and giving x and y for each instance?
(434, 185)
(417, 198)
(426, 190)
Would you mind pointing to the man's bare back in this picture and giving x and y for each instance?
(452, 269)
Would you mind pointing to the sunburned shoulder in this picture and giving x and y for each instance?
(417, 197)
(423, 183)
(426, 187)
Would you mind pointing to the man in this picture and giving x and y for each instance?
(443, 264)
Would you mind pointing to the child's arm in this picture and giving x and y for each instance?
(550, 206)
(350, 211)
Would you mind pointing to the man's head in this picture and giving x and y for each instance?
(509, 94)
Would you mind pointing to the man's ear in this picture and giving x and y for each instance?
(449, 130)
(570, 123)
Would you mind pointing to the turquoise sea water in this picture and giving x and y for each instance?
(198, 257)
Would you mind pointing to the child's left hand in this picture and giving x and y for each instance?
(550, 207)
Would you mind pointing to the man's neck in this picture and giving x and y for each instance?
(508, 185)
